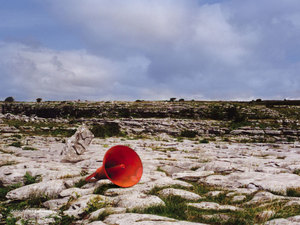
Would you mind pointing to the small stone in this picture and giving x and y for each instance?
(71, 182)
(214, 193)
(240, 191)
(138, 201)
(223, 217)
(213, 206)
(192, 176)
(55, 204)
(179, 192)
(111, 210)
(96, 184)
(75, 192)
(238, 198)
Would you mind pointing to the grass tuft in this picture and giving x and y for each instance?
(100, 190)
(293, 192)
(29, 179)
(17, 144)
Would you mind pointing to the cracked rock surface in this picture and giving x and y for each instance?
(184, 181)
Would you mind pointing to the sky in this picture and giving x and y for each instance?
(149, 49)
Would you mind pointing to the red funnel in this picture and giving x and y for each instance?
(121, 165)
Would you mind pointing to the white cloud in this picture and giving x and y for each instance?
(142, 49)
(41, 72)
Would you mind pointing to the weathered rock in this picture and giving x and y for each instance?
(179, 192)
(238, 198)
(263, 181)
(46, 171)
(293, 203)
(264, 196)
(220, 216)
(8, 129)
(77, 145)
(295, 220)
(75, 192)
(79, 206)
(213, 206)
(219, 166)
(192, 175)
(138, 201)
(167, 181)
(143, 219)
(36, 216)
(214, 193)
(111, 210)
(56, 204)
(96, 184)
(8, 159)
(239, 191)
(265, 215)
(50, 189)
(96, 223)
(170, 170)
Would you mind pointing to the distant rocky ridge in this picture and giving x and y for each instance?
(234, 121)
(152, 109)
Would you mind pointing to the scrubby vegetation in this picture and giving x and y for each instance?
(41, 128)
(106, 130)
(177, 208)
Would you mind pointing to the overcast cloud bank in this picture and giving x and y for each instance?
(141, 49)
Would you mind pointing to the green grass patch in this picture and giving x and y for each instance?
(95, 204)
(28, 179)
(204, 141)
(100, 190)
(8, 163)
(194, 168)
(293, 192)
(235, 125)
(18, 136)
(29, 148)
(108, 129)
(80, 183)
(296, 171)
(64, 220)
(33, 202)
(5, 190)
(176, 207)
(188, 133)
(41, 128)
(17, 144)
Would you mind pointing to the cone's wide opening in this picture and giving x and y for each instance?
(122, 166)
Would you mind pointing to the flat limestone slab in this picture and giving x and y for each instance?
(213, 206)
(47, 188)
(179, 192)
(263, 181)
(143, 219)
